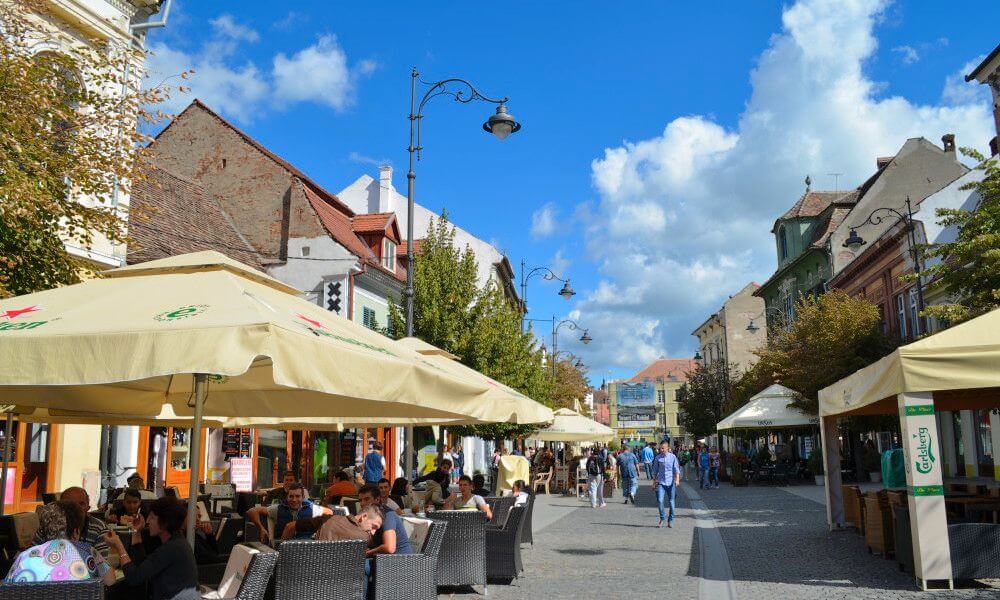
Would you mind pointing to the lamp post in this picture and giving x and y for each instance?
(548, 275)
(773, 311)
(556, 326)
(501, 125)
(855, 242)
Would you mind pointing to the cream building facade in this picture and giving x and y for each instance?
(728, 336)
(54, 457)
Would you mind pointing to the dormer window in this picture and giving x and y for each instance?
(389, 254)
(782, 243)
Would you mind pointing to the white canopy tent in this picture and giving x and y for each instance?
(570, 426)
(769, 409)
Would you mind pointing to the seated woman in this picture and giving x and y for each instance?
(402, 493)
(170, 570)
(62, 556)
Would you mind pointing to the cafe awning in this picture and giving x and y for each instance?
(769, 409)
(571, 426)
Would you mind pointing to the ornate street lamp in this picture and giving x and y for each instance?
(546, 274)
(854, 242)
(501, 125)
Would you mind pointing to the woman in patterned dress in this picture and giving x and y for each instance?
(62, 557)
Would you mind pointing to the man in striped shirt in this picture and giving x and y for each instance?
(93, 528)
(666, 478)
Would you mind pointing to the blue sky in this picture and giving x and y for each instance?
(659, 142)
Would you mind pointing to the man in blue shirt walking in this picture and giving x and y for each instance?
(666, 478)
(628, 467)
(647, 460)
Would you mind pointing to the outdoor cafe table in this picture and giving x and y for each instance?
(963, 502)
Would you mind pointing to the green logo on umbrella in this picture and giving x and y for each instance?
(184, 312)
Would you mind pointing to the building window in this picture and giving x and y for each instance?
(782, 243)
(305, 250)
(901, 315)
(388, 254)
(661, 396)
(368, 318)
(789, 309)
(914, 316)
(984, 441)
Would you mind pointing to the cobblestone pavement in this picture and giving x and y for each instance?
(613, 552)
(779, 546)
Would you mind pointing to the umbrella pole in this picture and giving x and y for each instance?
(200, 390)
(6, 460)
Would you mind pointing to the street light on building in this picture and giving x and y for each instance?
(501, 125)
(854, 241)
(546, 274)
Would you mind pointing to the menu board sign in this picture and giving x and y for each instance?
(237, 442)
(241, 474)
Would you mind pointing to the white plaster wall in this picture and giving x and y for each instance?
(309, 275)
(362, 197)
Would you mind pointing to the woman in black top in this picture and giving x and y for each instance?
(170, 570)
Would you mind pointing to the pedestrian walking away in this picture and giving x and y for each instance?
(703, 463)
(666, 478)
(647, 460)
(628, 468)
(595, 479)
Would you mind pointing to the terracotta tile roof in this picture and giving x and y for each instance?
(401, 248)
(170, 215)
(292, 169)
(811, 204)
(341, 229)
(665, 368)
(373, 223)
(833, 220)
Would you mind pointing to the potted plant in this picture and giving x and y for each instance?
(610, 483)
(816, 465)
(873, 465)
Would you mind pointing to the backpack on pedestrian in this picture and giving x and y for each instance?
(594, 467)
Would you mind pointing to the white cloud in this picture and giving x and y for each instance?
(907, 54)
(560, 264)
(319, 73)
(683, 218)
(543, 221)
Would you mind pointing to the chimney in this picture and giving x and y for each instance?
(948, 141)
(882, 161)
(385, 188)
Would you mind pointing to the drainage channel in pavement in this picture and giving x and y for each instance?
(716, 575)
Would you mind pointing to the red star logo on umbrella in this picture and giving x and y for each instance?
(13, 313)
(312, 322)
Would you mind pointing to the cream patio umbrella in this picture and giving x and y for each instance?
(208, 335)
(570, 426)
(769, 409)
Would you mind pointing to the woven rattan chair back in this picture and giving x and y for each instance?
(258, 576)
(462, 559)
(92, 589)
(501, 509)
(320, 570)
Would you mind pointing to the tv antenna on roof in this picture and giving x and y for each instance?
(836, 181)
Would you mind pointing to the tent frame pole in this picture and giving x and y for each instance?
(6, 461)
(200, 391)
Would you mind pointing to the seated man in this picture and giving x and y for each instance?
(342, 486)
(433, 498)
(466, 500)
(280, 493)
(479, 485)
(93, 528)
(122, 512)
(285, 515)
(440, 476)
(517, 490)
(344, 527)
(391, 537)
(387, 503)
(135, 482)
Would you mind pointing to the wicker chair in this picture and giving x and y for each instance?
(503, 548)
(320, 570)
(410, 576)
(500, 506)
(852, 506)
(527, 536)
(975, 547)
(258, 577)
(92, 589)
(462, 559)
(878, 524)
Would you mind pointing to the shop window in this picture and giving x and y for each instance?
(901, 315)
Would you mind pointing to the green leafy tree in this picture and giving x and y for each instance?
(702, 400)
(481, 326)
(832, 336)
(570, 383)
(68, 143)
(969, 267)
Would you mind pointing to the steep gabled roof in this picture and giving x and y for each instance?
(986, 61)
(811, 204)
(170, 215)
(401, 248)
(832, 219)
(667, 369)
(377, 223)
(341, 229)
(284, 164)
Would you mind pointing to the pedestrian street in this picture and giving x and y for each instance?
(775, 544)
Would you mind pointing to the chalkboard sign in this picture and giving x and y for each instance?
(237, 443)
(347, 449)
